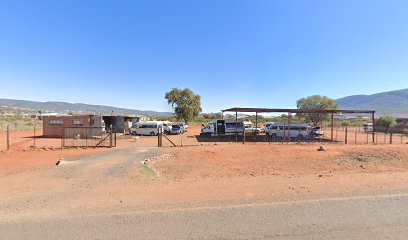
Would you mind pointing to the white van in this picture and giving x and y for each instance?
(282, 130)
(146, 128)
(223, 127)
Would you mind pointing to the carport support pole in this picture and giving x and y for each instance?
(373, 121)
(236, 126)
(321, 121)
(332, 126)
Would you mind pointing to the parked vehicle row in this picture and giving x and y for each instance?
(152, 128)
(272, 129)
(300, 131)
(229, 127)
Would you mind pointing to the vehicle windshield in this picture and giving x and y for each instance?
(175, 126)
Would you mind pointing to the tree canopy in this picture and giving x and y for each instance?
(186, 104)
(387, 122)
(316, 102)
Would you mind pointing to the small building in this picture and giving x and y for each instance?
(121, 124)
(53, 126)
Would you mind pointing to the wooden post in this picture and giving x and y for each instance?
(8, 137)
(345, 134)
(390, 138)
(256, 126)
(337, 130)
(332, 126)
(236, 126)
(34, 137)
(373, 121)
(367, 136)
(289, 122)
(243, 136)
(111, 138)
(355, 137)
(181, 141)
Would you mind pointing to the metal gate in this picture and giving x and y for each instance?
(88, 137)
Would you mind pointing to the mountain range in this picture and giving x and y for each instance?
(75, 107)
(392, 102)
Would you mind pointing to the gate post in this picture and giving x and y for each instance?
(111, 137)
(345, 134)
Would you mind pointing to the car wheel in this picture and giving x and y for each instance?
(134, 133)
(152, 134)
(274, 136)
(301, 137)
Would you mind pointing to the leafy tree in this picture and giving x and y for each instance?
(387, 122)
(186, 104)
(316, 102)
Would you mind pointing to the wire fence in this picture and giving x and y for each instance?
(340, 135)
(88, 137)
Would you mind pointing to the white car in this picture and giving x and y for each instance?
(300, 131)
(146, 128)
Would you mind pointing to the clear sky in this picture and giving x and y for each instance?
(233, 53)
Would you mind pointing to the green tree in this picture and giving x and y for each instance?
(316, 102)
(186, 104)
(387, 122)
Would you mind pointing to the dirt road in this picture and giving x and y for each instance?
(358, 217)
(227, 191)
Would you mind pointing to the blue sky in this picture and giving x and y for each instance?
(233, 53)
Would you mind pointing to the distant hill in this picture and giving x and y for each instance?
(75, 107)
(393, 102)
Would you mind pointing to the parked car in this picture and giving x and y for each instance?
(222, 127)
(146, 128)
(315, 132)
(166, 126)
(368, 127)
(184, 126)
(282, 130)
(250, 129)
(176, 129)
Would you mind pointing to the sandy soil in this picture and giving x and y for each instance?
(91, 181)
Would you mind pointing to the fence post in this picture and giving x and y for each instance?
(181, 141)
(159, 136)
(355, 137)
(62, 138)
(8, 137)
(34, 137)
(367, 136)
(345, 135)
(337, 129)
(86, 136)
(111, 137)
(390, 138)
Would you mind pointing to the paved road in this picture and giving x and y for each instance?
(367, 217)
